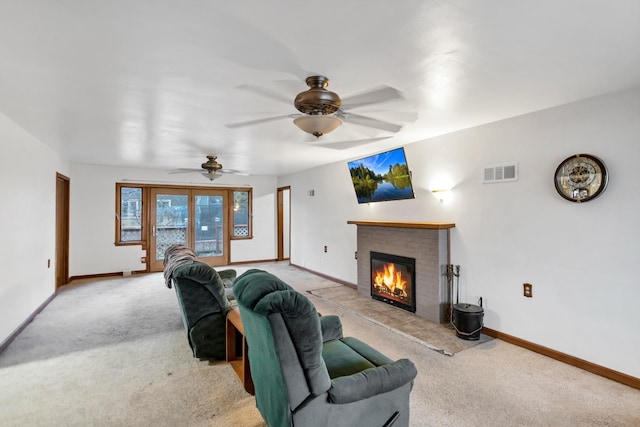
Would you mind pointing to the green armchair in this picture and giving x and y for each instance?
(305, 372)
(204, 304)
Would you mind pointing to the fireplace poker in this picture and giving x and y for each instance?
(457, 283)
(453, 271)
(449, 273)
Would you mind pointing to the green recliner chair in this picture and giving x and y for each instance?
(305, 372)
(204, 304)
(204, 296)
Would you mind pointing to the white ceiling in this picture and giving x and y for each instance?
(155, 83)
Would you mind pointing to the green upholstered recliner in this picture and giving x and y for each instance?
(204, 303)
(305, 372)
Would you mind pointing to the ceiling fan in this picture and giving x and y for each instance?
(322, 111)
(210, 169)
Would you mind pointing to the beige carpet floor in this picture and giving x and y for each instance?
(114, 353)
(438, 337)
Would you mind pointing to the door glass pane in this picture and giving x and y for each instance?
(172, 215)
(240, 214)
(209, 226)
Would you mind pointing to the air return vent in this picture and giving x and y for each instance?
(505, 172)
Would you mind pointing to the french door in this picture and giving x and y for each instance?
(196, 218)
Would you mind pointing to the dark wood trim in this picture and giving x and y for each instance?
(19, 329)
(136, 272)
(101, 275)
(565, 358)
(281, 220)
(409, 224)
(280, 236)
(258, 261)
(324, 276)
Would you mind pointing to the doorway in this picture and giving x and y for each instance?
(192, 217)
(62, 230)
(284, 223)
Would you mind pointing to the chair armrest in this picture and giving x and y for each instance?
(372, 381)
(331, 327)
(227, 274)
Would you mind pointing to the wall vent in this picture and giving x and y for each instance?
(506, 172)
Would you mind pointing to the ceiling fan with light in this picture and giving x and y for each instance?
(324, 111)
(210, 169)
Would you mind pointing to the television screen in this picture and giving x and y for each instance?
(382, 177)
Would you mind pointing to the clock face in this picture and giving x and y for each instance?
(581, 177)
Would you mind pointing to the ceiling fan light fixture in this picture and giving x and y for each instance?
(211, 175)
(317, 125)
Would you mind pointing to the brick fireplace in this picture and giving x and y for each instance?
(426, 242)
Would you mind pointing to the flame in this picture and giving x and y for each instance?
(390, 279)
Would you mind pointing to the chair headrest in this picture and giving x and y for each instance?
(197, 271)
(248, 294)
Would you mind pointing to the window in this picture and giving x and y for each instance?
(132, 214)
(129, 219)
(241, 214)
(164, 203)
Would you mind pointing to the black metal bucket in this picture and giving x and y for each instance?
(467, 321)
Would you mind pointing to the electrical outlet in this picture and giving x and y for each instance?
(325, 249)
(143, 260)
(527, 289)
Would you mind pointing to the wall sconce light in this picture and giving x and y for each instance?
(442, 195)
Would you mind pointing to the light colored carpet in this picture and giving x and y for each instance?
(115, 353)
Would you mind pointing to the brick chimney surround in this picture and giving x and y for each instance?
(427, 242)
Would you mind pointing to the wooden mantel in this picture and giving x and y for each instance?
(405, 224)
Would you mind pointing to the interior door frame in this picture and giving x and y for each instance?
(63, 185)
(284, 214)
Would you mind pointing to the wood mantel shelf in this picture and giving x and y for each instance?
(405, 224)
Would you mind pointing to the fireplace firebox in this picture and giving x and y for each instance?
(393, 280)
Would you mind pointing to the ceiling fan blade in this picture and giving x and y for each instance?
(233, 172)
(256, 121)
(381, 94)
(184, 170)
(357, 119)
(268, 93)
(345, 145)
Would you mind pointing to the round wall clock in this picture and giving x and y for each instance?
(581, 177)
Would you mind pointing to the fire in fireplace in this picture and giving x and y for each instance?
(392, 280)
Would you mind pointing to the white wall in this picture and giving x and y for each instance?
(580, 258)
(264, 245)
(27, 214)
(93, 198)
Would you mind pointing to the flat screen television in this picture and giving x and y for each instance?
(382, 177)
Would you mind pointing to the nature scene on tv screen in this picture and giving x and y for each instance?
(382, 177)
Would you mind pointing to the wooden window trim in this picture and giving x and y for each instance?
(249, 236)
(145, 211)
(118, 216)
